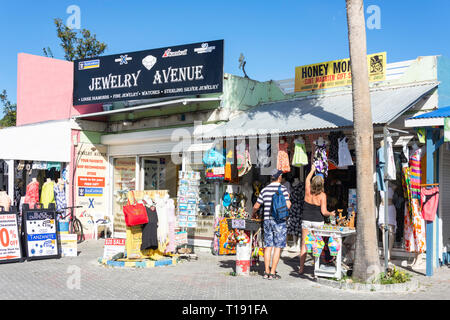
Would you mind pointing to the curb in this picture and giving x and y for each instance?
(398, 287)
(138, 264)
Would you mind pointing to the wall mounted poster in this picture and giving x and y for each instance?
(41, 241)
(10, 247)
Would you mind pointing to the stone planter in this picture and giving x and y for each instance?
(398, 287)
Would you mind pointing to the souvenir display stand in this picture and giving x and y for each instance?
(337, 233)
(134, 256)
(244, 247)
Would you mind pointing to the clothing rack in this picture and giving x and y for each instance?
(429, 184)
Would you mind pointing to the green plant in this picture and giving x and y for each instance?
(393, 276)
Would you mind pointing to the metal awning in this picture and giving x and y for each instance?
(184, 101)
(320, 112)
(429, 119)
(48, 141)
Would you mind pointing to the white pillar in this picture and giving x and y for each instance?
(10, 164)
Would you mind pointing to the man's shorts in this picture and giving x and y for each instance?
(274, 234)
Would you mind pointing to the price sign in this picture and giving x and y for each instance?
(238, 224)
(40, 234)
(10, 248)
(113, 246)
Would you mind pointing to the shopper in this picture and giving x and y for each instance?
(314, 209)
(274, 231)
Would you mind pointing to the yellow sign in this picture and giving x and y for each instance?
(336, 73)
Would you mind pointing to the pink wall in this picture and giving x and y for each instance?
(44, 90)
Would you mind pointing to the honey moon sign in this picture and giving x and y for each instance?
(336, 73)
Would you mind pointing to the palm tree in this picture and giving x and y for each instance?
(367, 264)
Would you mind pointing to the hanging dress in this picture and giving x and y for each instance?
(414, 163)
(333, 150)
(264, 153)
(390, 163)
(32, 194)
(300, 157)
(294, 225)
(244, 163)
(283, 158)
(320, 158)
(345, 158)
(414, 225)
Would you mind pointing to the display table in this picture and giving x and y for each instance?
(337, 233)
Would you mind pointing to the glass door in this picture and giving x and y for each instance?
(153, 175)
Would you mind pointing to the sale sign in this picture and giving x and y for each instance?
(113, 246)
(10, 249)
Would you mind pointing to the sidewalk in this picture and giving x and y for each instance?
(207, 278)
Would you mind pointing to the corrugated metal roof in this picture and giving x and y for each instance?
(320, 112)
(439, 113)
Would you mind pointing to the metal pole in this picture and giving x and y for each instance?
(386, 192)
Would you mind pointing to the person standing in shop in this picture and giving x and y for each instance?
(274, 232)
(314, 210)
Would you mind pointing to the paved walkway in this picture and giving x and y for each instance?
(208, 278)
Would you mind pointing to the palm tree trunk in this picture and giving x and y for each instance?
(366, 264)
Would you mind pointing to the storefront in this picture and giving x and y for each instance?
(34, 165)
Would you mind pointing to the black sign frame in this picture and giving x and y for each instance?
(52, 212)
(19, 239)
(175, 71)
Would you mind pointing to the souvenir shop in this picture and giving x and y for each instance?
(239, 169)
(268, 136)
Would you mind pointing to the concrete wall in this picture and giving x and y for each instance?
(45, 89)
(443, 74)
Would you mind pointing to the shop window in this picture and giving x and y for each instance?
(124, 181)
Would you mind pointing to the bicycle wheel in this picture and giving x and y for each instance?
(77, 228)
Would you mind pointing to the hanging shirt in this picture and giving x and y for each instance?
(380, 169)
(392, 212)
(32, 195)
(215, 164)
(48, 194)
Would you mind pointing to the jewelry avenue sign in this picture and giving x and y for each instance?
(190, 69)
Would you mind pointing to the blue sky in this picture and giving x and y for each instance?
(275, 36)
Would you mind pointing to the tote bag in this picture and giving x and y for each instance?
(135, 214)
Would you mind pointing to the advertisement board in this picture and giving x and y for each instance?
(90, 178)
(336, 73)
(185, 70)
(10, 246)
(40, 234)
